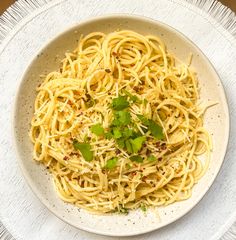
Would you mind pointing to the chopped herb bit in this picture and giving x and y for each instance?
(90, 102)
(151, 158)
(145, 102)
(156, 130)
(136, 158)
(85, 150)
(143, 207)
(162, 115)
(128, 166)
(137, 143)
(120, 103)
(86, 138)
(132, 97)
(97, 129)
(110, 164)
(122, 210)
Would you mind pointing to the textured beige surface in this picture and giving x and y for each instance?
(6, 3)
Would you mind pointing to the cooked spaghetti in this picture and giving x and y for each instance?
(119, 125)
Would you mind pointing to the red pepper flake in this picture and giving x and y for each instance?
(148, 152)
(107, 70)
(160, 158)
(136, 88)
(80, 114)
(70, 102)
(65, 158)
(132, 65)
(163, 147)
(118, 151)
(114, 54)
(74, 154)
(144, 178)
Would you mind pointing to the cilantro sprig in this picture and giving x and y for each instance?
(123, 129)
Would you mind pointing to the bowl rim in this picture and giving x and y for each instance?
(108, 17)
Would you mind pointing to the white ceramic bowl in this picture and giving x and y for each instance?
(216, 121)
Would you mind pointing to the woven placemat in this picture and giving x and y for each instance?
(24, 29)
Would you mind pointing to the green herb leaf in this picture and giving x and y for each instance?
(155, 130)
(121, 118)
(116, 133)
(110, 164)
(137, 143)
(143, 119)
(121, 143)
(151, 158)
(119, 103)
(85, 150)
(153, 127)
(128, 146)
(108, 135)
(128, 132)
(136, 158)
(97, 129)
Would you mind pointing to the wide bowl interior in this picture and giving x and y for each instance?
(216, 121)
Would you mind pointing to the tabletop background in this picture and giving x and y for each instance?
(5, 3)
